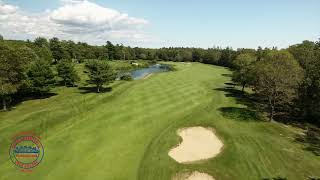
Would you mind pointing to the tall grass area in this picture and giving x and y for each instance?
(126, 133)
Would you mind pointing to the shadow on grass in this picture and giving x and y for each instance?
(311, 140)
(240, 114)
(18, 99)
(285, 117)
(249, 113)
(227, 75)
(275, 178)
(86, 90)
(230, 84)
(283, 178)
(40, 96)
(243, 98)
(62, 84)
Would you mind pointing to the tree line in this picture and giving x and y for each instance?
(31, 69)
(286, 80)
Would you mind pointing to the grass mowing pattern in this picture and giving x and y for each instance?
(127, 133)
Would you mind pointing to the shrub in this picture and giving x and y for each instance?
(126, 77)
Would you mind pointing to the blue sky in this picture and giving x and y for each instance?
(201, 23)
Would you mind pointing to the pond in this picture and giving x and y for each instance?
(141, 73)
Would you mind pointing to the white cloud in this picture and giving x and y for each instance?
(79, 20)
(87, 14)
(71, 1)
(7, 9)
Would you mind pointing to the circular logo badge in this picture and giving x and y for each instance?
(26, 151)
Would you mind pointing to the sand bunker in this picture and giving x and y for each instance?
(193, 176)
(198, 143)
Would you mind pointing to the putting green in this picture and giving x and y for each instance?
(128, 132)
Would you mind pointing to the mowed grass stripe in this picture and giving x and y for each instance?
(127, 133)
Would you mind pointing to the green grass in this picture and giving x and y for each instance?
(117, 65)
(127, 133)
(125, 64)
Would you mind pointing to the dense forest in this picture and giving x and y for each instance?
(285, 82)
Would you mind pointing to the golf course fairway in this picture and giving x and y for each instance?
(126, 133)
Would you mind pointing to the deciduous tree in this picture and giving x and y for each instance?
(277, 79)
(13, 63)
(41, 42)
(243, 69)
(58, 50)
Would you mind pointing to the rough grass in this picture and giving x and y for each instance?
(126, 133)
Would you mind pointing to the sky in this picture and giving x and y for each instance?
(178, 23)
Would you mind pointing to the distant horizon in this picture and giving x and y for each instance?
(214, 46)
(157, 24)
